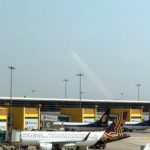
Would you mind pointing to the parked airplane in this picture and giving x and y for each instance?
(96, 126)
(59, 139)
(130, 126)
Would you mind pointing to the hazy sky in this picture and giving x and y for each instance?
(50, 40)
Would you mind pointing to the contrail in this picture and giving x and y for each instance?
(100, 85)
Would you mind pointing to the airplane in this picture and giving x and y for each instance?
(69, 139)
(101, 124)
(130, 126)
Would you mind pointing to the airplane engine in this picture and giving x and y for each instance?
(46, 146)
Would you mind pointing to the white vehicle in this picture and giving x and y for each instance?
(147, 147)
(59, 139)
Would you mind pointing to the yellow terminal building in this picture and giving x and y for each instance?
(80, 114)
(3, 118)
(133, 114)
(25, 118)
(3, 123)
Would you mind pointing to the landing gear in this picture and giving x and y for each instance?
(99, 146)
(104, 146)
(77, 148)
(56, 147)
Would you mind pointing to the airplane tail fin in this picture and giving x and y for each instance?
(115, 130)
(103, 121)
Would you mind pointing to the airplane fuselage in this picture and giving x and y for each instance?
(129, 126)
(138, 126)
(81, 126)
(75, 138)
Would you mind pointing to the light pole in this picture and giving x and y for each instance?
(80, 91)
(11, 101)
(65, 80)
(138, 85)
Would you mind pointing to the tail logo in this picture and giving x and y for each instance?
(118, 128)
(104, 119)
(114, 131)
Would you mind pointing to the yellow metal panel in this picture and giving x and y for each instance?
(20, 113)
(3, 111)
(136, 111)
(116, 111)
(131, 112)
(31, 110)
(136, 115)
(39, 117)
(18, 117)
(89, 115)
(78, 114)
(4, 115)
(24, 118)
(32, 113)
(88, 111)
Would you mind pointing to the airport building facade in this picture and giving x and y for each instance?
(54, 104)
(25, 118)
(134, 115)
(3, 122)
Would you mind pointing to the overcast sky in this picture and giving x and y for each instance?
(50, 40)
